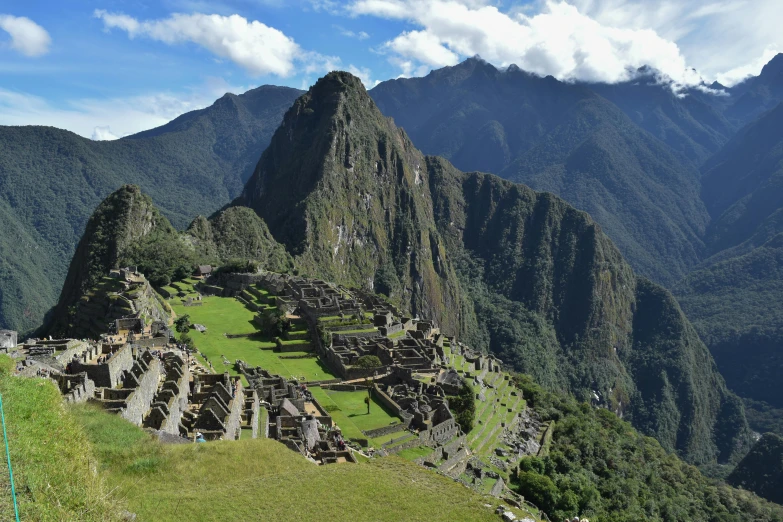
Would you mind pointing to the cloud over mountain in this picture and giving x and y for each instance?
(586, 40)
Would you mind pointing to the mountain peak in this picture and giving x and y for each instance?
(774, 67)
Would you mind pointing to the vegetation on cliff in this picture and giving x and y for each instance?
(598, 466)
(761, 471)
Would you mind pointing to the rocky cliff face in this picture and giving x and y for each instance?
(345, 191)
(520, 273)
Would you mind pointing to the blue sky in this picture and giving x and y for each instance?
(109, 68)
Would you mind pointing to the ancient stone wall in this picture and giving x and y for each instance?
(108, 374)
(76, 388)
(234, 421)
(8, 340)
(138, 403)
(386, 430)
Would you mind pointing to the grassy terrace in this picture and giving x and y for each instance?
(492, 413)
(228, 315)
(349, 411)
(262, 480)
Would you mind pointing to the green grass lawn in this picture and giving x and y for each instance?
(263, 480)
(227, 315)
(349, 411)
(415, 453)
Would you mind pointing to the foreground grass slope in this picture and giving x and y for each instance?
(262, 480)
(54, 469)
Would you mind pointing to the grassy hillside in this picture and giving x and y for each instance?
(52, 459)
(263, 480)
(51, 180)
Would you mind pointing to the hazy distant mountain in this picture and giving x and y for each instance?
(51, 180)
(757, 94)
(690, 123)
(735, 298)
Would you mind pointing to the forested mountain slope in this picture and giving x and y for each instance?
(519, 273)
(51, 180)
(761, 471)
(127, 229)
(691, 123)
(568, 140)
(736, 298)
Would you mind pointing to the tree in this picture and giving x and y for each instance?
(182, 324)
(463, 406)
(368, 362)
(539, 489)
(185, 339)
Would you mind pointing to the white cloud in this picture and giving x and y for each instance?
(736, 75)
(103, 133)
(27, 37)
(557, 41)
(715, 36)
(361, 35)
(364, 74)
(591, 40)
(258, 48)
(109, 118)
(424, 47)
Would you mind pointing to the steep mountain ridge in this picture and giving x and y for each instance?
(742, 183)
(757, 94)
(568, 140)
(347, 193)
(51, 180)
(121, 221)
(127, 229)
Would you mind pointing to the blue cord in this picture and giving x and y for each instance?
(8, 457)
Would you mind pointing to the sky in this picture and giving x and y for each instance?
(108, 68)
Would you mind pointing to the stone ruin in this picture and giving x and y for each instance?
(217, 407)
(154, 389)
(295, 418)
(413, 381)
(8, 340)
